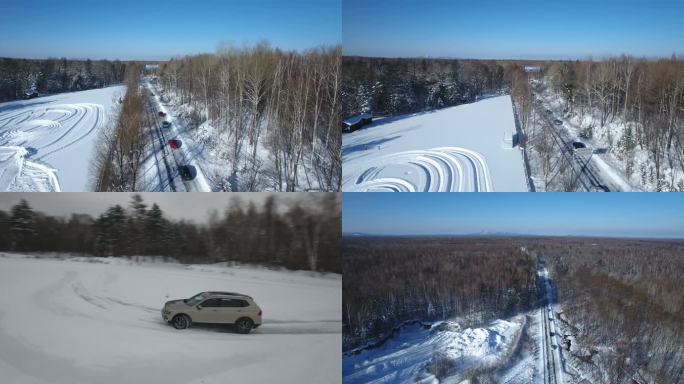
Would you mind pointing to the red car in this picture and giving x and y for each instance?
(162, 114)
(174, 144)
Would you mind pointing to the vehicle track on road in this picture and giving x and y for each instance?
(159, 148)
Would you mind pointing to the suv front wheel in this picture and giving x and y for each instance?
(181, 321)
(244, 325)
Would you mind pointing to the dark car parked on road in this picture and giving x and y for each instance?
(186, 172)
(30, 94)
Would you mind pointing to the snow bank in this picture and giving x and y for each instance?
(403, 358)
(462, 148)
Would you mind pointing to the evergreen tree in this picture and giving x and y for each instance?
(137, 225)
(22, 226)
(156, 231)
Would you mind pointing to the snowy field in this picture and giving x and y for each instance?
(404, 358)
(71, 321)
(46, 143)
(463, 148)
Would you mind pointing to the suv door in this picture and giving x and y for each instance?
(207, 311)
(232, 309)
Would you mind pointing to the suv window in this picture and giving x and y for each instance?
(234, 303)
(211, 303)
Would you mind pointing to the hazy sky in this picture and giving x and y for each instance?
(192, 206)
(158, 30)
(585, 214)
(533, 29)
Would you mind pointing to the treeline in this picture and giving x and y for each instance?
(625, 302)
(56, 75)
(391, 86)
(122, 144)
(278, 232)
(262, 97)
(388, 281)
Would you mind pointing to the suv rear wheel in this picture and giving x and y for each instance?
(181, 321)
(244, 325)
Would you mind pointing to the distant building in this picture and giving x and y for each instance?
(355, 122)
(532, 69)
(151, 67)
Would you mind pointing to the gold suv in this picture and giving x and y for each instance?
(216, 308)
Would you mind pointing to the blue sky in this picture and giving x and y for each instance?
(533, 29)
(154, 29)
(584, 214)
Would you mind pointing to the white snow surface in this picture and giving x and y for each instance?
(46, 142)
(462, 148)
(403, 358)
(71, 321)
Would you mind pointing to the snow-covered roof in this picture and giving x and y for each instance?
(356, 119)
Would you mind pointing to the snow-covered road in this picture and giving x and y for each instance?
(593, 167)
(46, 143)
(551, 342)
(184, 155)
(99, 322)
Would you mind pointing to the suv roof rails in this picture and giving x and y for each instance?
(228, 293)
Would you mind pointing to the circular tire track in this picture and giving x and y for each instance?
(445, 169)
(63, 125)
(49, 130)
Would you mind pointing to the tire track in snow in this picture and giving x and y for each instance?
(47, 130)
(445, 169)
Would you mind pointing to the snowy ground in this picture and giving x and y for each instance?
(78, 322)
(46, 143)
(403, 358)
(462, 148)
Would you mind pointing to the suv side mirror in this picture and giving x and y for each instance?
(199, 307)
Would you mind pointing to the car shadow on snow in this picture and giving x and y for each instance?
(275, 327)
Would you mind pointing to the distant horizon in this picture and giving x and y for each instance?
(510, 235)
(178, 56)
(620, 215)
(679, 56)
